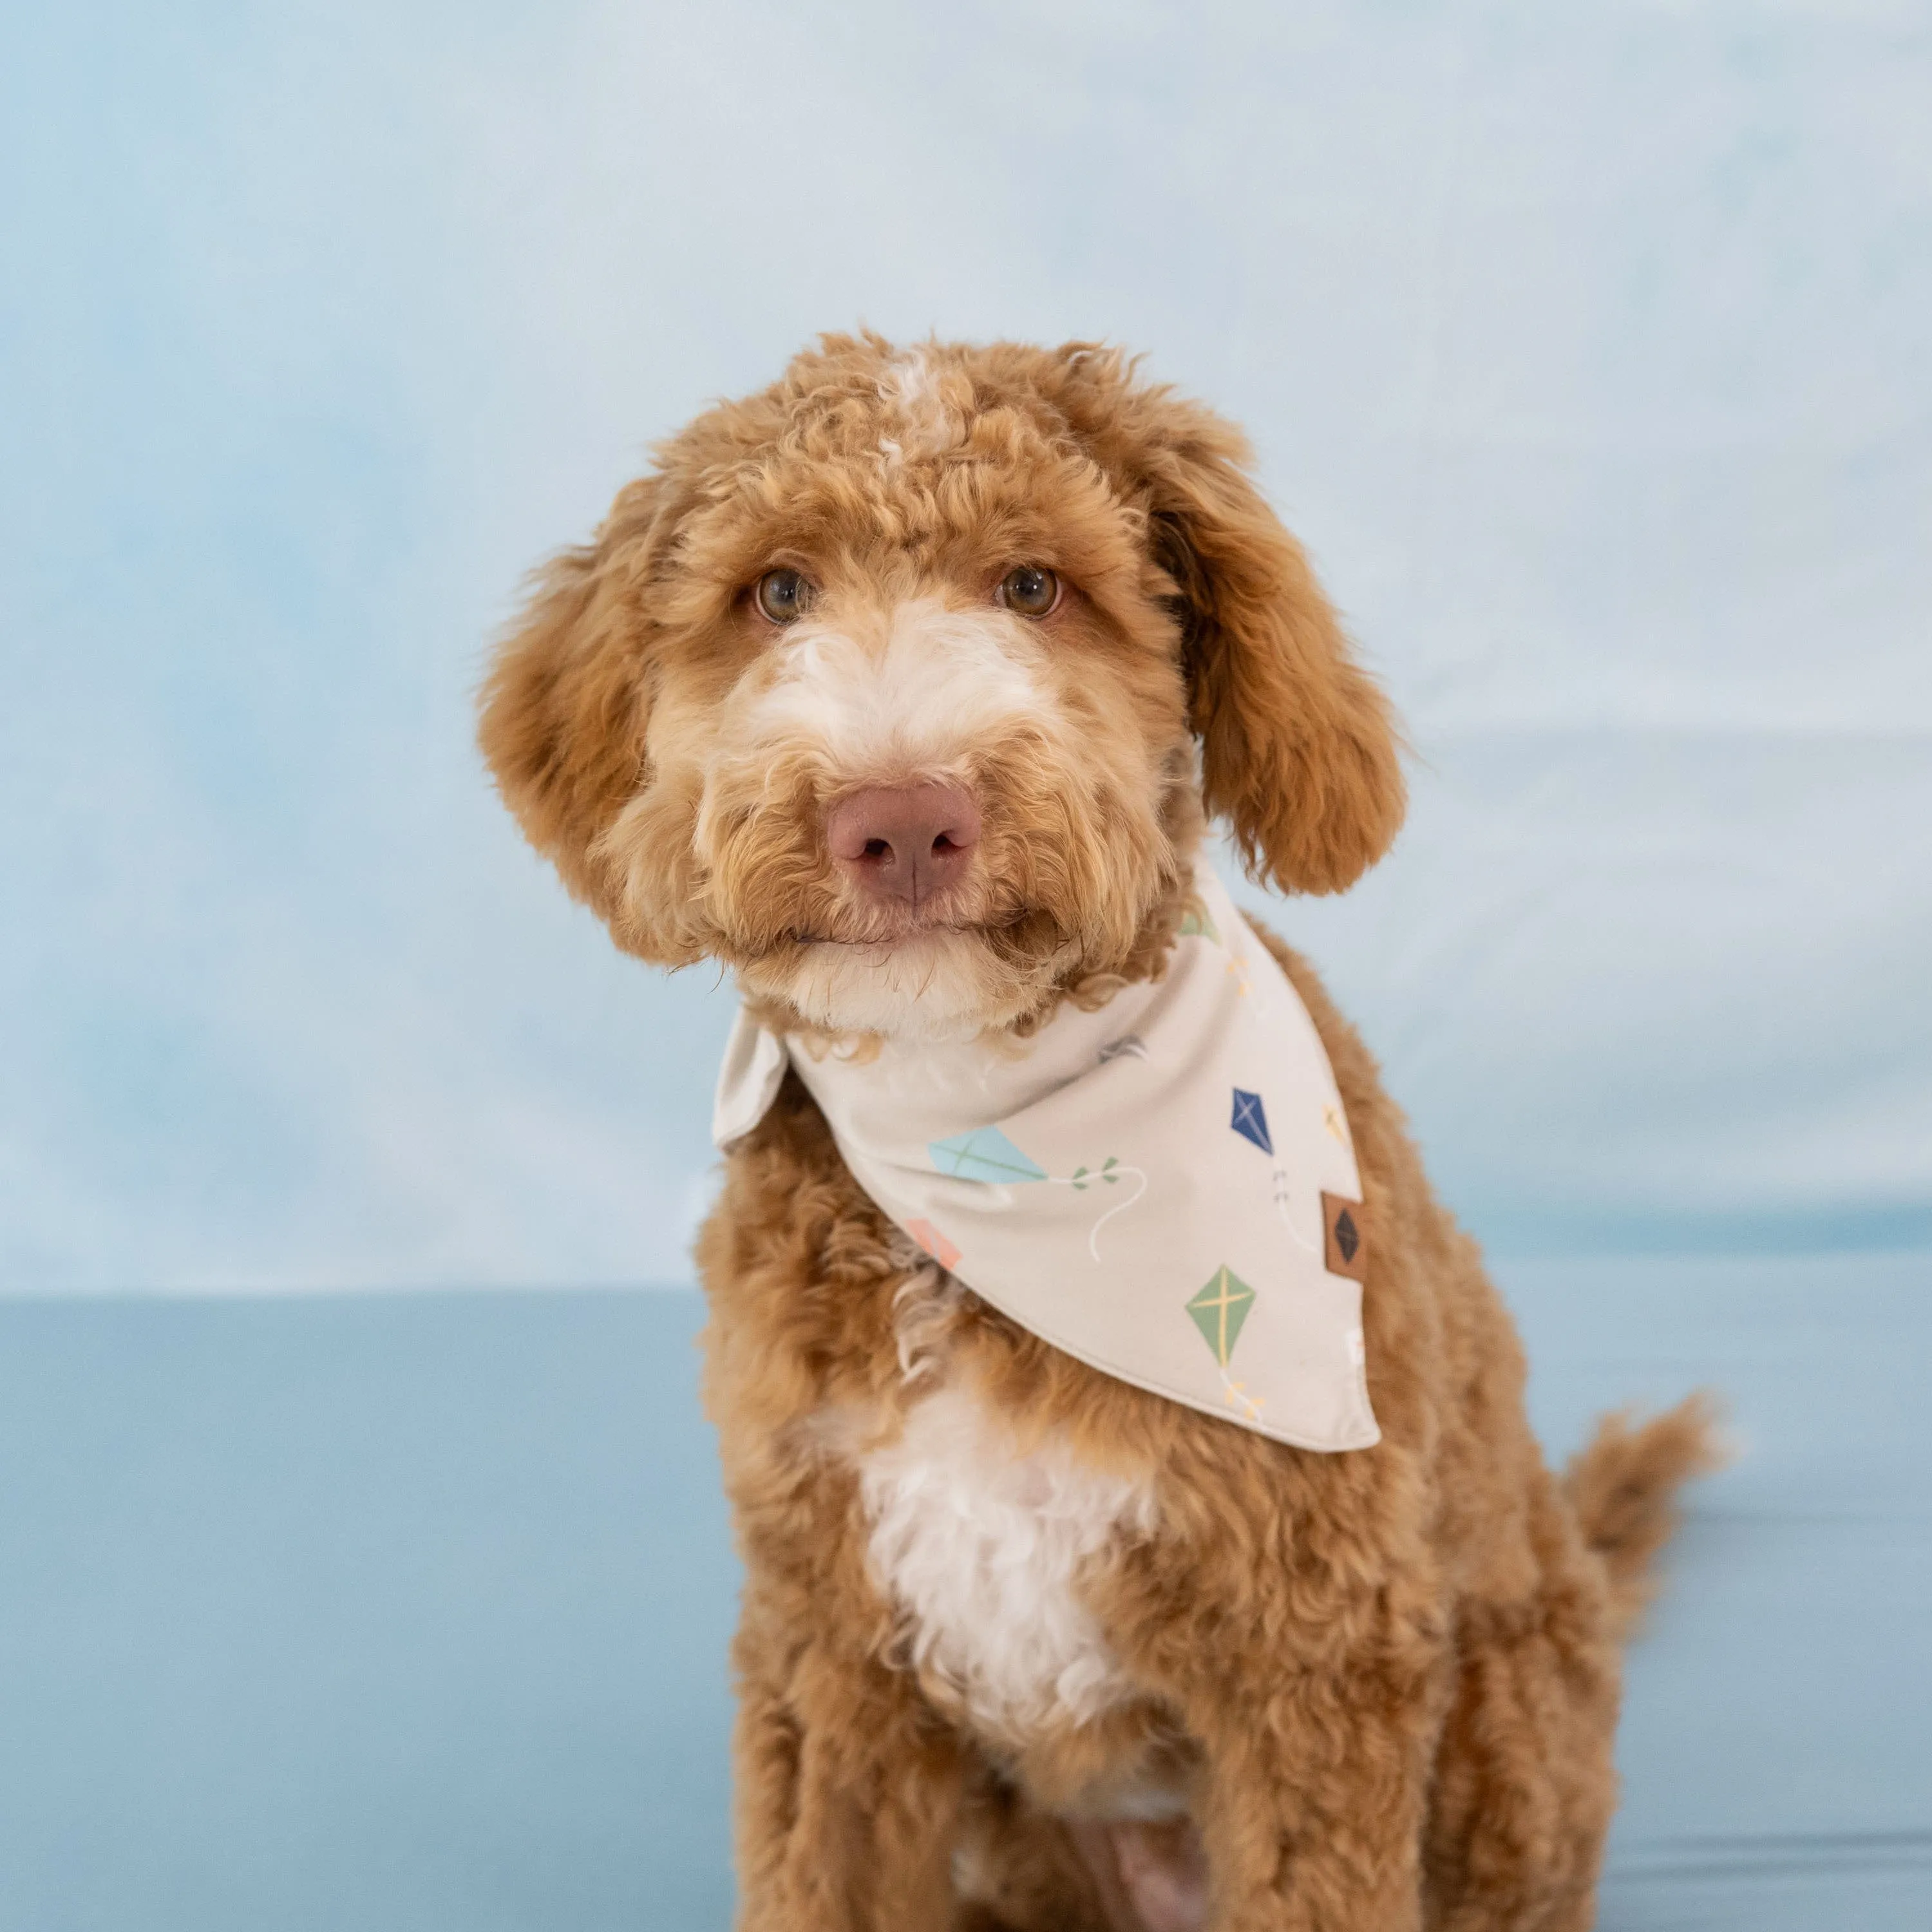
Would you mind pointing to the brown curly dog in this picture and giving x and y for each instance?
(905, 688)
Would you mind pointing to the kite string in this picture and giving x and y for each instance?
(1085, 1181)
(1237, 1393)
(1281, 1192)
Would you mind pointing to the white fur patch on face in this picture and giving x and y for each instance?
(981, 1548)
(909, 695)
(916, 691)
(931, 988)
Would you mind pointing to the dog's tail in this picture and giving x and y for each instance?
(1624, 1489)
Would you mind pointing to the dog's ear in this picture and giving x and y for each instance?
(562, 714)
(1298, 747)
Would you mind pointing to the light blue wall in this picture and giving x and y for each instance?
(1586, 345)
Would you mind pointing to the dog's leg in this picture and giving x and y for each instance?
(1315, 1798)
(1524, 1784)
(848, 1790)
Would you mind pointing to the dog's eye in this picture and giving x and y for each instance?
(1031, 590)
(783, 595)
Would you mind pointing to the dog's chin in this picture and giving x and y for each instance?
(945, 984)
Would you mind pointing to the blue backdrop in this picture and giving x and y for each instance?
(1586, 346)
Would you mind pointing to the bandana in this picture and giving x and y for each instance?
(1165, 1188)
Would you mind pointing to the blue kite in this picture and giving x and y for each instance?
(1250, 1122)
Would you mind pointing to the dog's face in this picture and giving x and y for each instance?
(899, 687)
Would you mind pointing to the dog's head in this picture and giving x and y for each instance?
(901, 686)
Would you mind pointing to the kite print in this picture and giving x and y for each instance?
(1250, 1120)
(1220, 1312)
(934, 1243)
(987, 1155)
(984, 1153)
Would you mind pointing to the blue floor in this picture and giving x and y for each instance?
(408, 1614)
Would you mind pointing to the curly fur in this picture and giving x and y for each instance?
(1370, 1691)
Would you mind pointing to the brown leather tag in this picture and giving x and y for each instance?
(1345, 1241)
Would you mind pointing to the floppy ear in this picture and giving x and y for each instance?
(561, 713)
(1298, 749)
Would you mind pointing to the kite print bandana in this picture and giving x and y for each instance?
(1165, 1188)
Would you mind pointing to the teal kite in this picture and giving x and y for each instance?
(983, 1154)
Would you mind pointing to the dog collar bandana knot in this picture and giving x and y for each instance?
(1165, 1188)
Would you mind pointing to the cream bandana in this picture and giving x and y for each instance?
(1164, 1188)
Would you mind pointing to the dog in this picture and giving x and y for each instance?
(906, 690)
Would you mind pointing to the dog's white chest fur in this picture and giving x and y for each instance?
(981, 1548)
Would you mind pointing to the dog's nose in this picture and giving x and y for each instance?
(904, 841)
